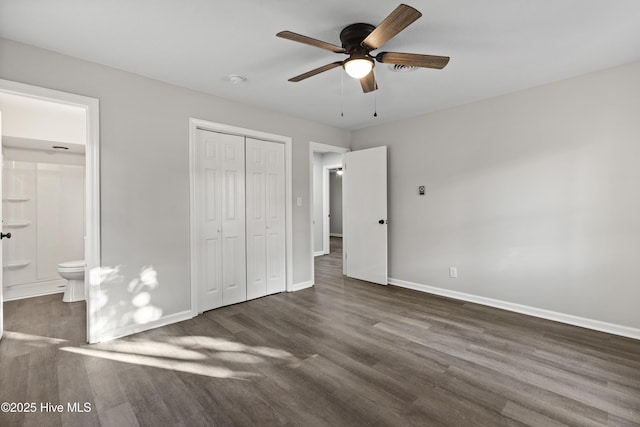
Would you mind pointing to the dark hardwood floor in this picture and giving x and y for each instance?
(344, 353)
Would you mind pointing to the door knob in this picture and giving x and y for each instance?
(381, 221)
(2, 235)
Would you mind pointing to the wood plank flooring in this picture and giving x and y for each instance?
(344, 353)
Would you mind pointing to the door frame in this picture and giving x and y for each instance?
(194, 125)
(316, 147)
(92, 255)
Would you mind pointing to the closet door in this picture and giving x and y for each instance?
(219, 204)
(265, 218)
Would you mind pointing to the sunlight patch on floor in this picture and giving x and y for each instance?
(200, 355)
(34, 340)
(163, 363)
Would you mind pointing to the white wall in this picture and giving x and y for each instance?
(55, 121)
(145, 171)
(533, 196)
(332, 159)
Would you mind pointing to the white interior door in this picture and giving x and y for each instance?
(1, 229)
(220, 272)
(364, 195)
(266, 261)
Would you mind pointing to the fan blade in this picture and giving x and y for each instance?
(397, 21)
(316, 71)
(368, 83)
(310, 41)
(413, 59)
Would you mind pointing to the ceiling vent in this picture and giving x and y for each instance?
(399, 68)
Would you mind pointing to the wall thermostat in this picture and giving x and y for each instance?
(421, 190)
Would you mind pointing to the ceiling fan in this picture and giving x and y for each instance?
(358, 40)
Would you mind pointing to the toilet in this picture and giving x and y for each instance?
(73, 272)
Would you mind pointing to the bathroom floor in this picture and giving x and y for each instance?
(44, 318)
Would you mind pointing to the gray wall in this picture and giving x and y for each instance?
(335, 203)
(145, 169)
(533, 196)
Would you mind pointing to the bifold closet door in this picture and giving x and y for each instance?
(220, 205)
(265, 200)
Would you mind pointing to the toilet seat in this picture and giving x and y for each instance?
(71, 266)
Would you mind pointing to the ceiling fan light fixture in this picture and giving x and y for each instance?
(358, 66)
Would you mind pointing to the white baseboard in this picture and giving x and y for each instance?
(583, 322)
(300, 286)
(36, 289)
(335, 234)
(319, 253)
(134, 329)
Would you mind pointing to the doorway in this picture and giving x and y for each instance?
(91, 215)
(323, 159)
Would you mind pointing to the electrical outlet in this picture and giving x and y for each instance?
(453, 272)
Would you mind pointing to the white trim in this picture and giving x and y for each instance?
(321, 148)
(35, 289)
(300, 286)
(335, 234)
(92, 189)
(319, 253)
(288, 165)
(195, 124)
(134, 329)
(570, 319)
(193, 231)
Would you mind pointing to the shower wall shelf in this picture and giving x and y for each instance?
(17, 224)
(16, 199)
(16, 264)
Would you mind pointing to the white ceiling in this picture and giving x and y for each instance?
(496, 47)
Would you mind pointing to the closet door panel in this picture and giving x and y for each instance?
(233, 221)
(275, 222)
(208, 211)
(256, 220)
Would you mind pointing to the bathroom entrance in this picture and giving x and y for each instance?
(49, 194)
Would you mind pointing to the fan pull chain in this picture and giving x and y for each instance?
(375, 105)
(342, 94)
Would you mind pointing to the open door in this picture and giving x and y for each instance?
(364, 204)
(1, 229)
